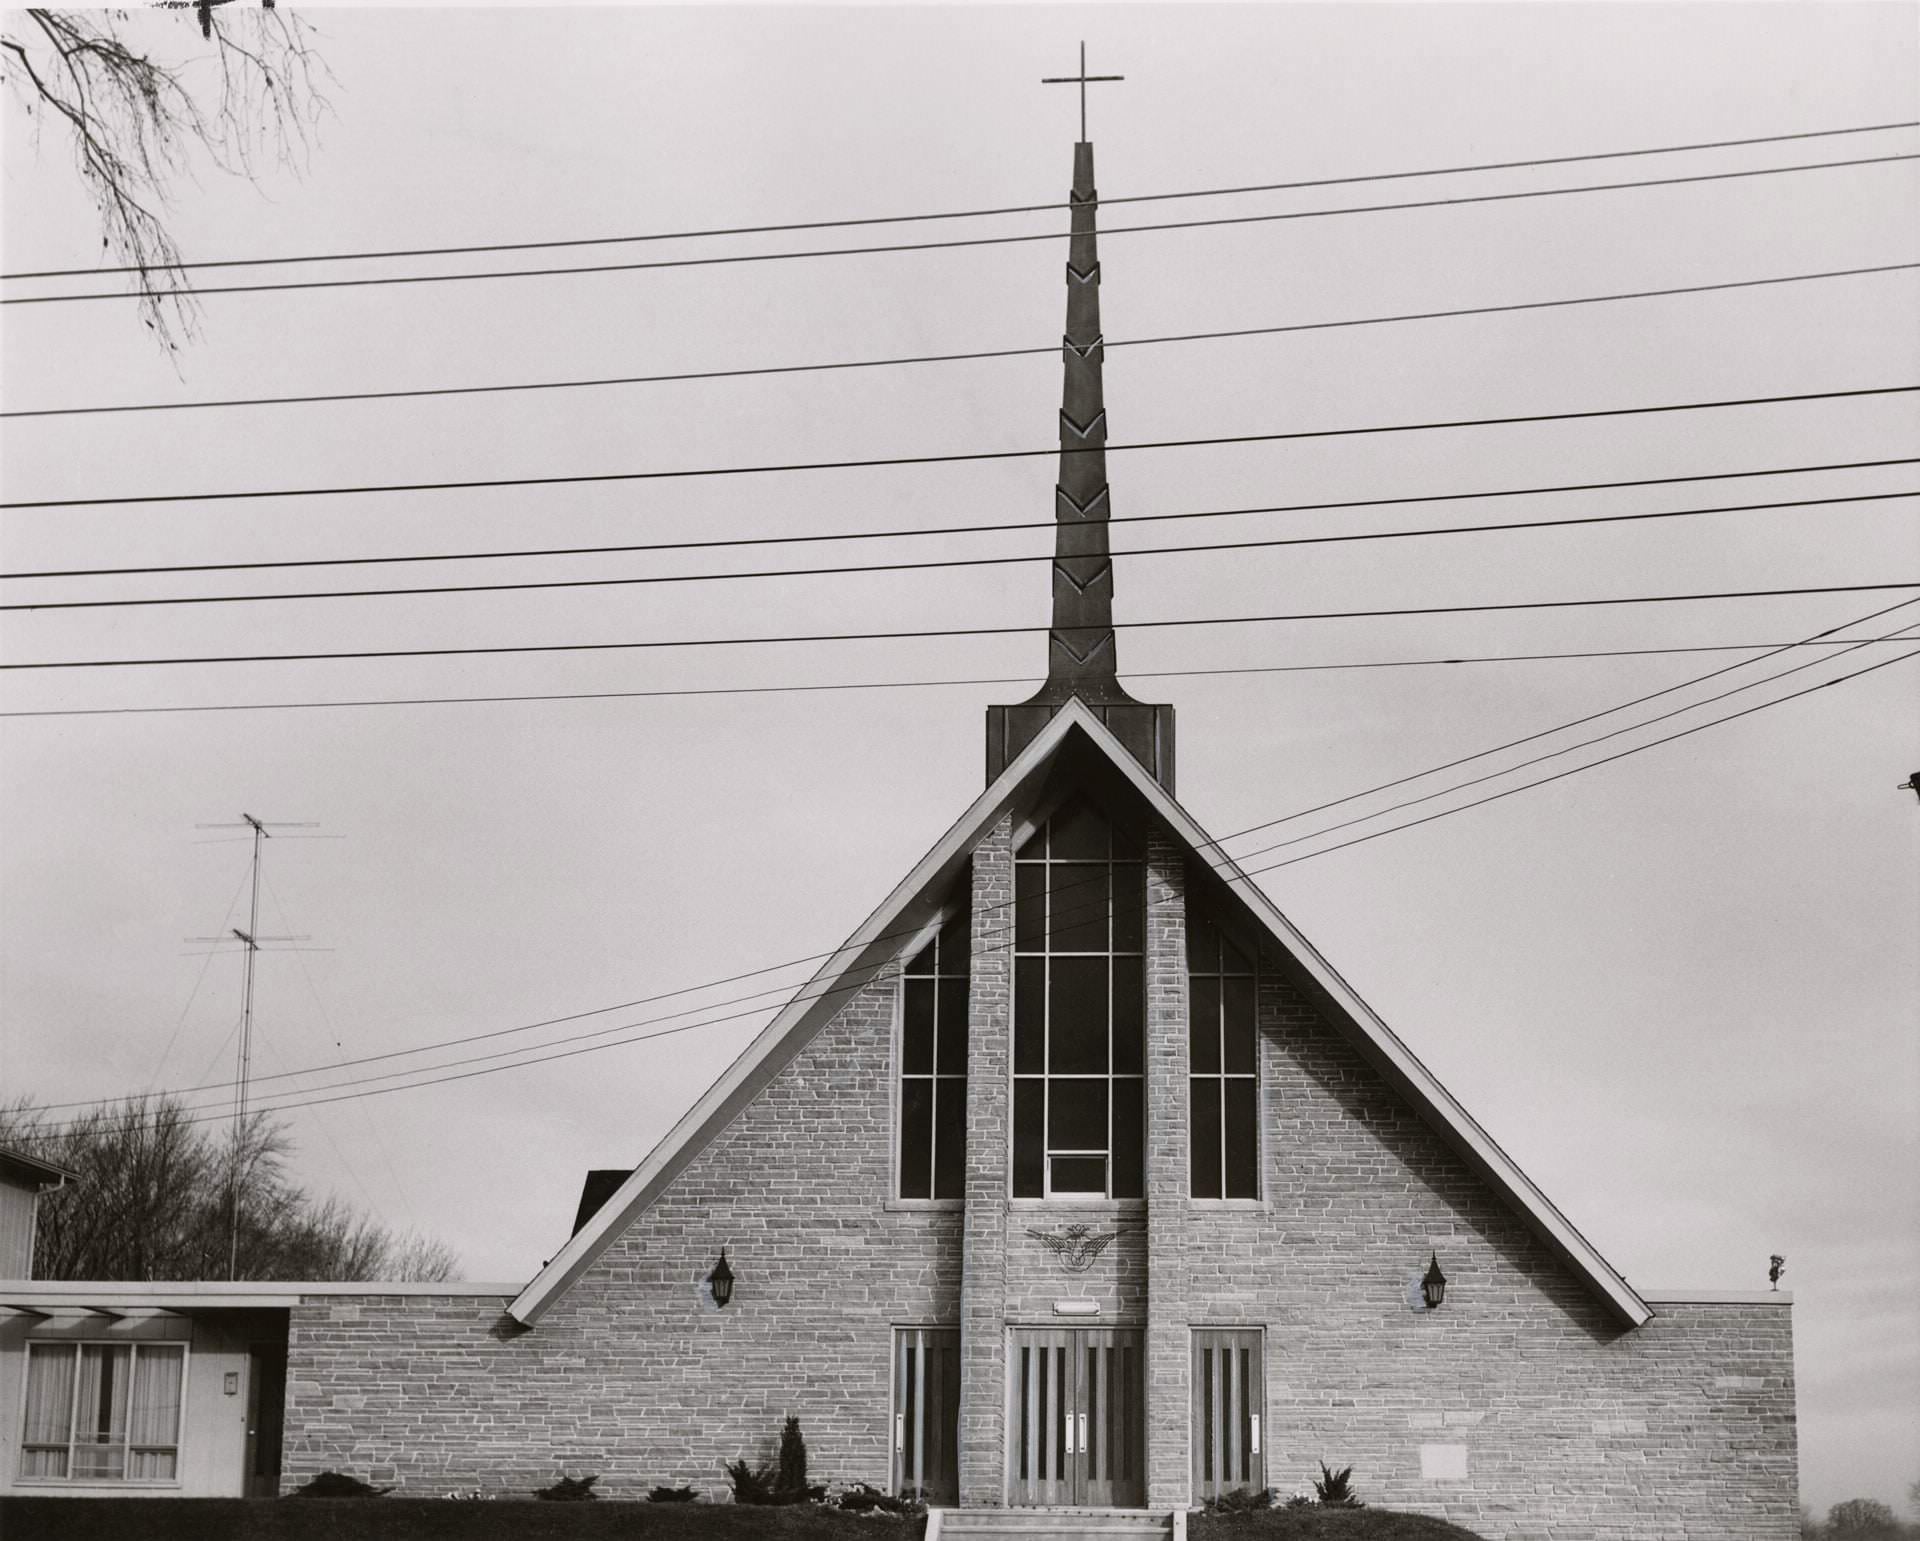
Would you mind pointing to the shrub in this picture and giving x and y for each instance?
(751, 1484)
(863, 1499)
(1335, 1488)
(790, 1485)
(569, 1490)
(335, 1484)
(1240, 1501)
(672, 1495)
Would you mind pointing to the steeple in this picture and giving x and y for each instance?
(1081, 657)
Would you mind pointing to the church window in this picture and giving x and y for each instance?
(933, 1066)
(1223, 1052)
(1079, 1002)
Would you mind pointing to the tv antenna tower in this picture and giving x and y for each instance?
(250, 940)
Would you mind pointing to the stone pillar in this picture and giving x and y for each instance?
(983, 1288)
(1169, 1349)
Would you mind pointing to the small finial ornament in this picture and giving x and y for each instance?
(1776, 1265)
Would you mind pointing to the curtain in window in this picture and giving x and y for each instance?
(100, 1426)
(43, 1450)
(153, 1415)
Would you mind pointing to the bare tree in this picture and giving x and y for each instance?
(158, 1193)
(245, 97)
(1864, 1518)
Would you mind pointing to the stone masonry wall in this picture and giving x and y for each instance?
(1518, 1409)
(1555, 1423)
(631, 1374)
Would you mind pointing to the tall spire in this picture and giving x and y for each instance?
(1081, 646)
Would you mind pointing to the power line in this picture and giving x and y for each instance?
(892, 248)
(950, 529)
(1217, 844)
(847, 570)
(1902, 634)
(947, 631)
(901, 219)
(1247, 873)
(949, 459)
(1591, 765)
(1817, 639)
(1018, 679)
(953, 358)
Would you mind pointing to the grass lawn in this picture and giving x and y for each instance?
(426, 1519)
(1312, 1523)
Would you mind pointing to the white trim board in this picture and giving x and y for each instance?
(911, 904)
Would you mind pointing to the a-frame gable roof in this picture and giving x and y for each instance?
(914, 904)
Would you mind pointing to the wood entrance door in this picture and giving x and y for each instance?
(926, 1414)
(1076, 1417)
(1229, 1396)
(266, 1417)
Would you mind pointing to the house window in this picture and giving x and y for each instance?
(1224, 1064)
(933, 1067)
(103, 1412)
(1080, 921)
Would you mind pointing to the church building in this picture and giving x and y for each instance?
(1075, 1179)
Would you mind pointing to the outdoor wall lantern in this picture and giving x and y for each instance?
(1433, 1288)
(720, 1281)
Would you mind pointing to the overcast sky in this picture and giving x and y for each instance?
(1680, 989)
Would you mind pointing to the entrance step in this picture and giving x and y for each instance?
(1054, 1525)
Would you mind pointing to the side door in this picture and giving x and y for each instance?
(926, 1414)
(1229, 1399)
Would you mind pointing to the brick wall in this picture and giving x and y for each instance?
(1570, 1429)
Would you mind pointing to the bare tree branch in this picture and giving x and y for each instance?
(249, 100)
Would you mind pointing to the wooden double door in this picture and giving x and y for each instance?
(1076, 1417)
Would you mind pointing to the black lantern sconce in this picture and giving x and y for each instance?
(1433, 1287)
(720, 1281)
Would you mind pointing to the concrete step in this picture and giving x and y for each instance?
(1052, 1525)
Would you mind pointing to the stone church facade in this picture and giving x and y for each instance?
(1077, 1178)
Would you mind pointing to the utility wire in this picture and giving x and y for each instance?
(952, 358)
(848, 570)
(974, 455)
(950, 529)
(949, 631)
(1017, 679)
(1244, 874)
(1217, 845)
(186, 292)
(1527, 786)
(1817, 639)
(1901, 634)
(901, 219)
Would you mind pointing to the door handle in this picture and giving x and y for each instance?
(1083, 1433)
(899, 1431)
(1072, 1448)
(1255, 1450)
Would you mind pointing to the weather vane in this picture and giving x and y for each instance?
(1080, 80)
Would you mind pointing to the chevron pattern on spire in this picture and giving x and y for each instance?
(1081, 646)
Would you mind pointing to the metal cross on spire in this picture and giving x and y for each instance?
(1081, 80)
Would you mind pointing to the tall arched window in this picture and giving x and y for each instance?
(1079, 1006)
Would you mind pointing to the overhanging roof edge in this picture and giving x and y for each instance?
(863, 953)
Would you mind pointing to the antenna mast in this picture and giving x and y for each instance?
(250, 939)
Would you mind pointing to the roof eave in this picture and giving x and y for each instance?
(874, 944)
(855, 963)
